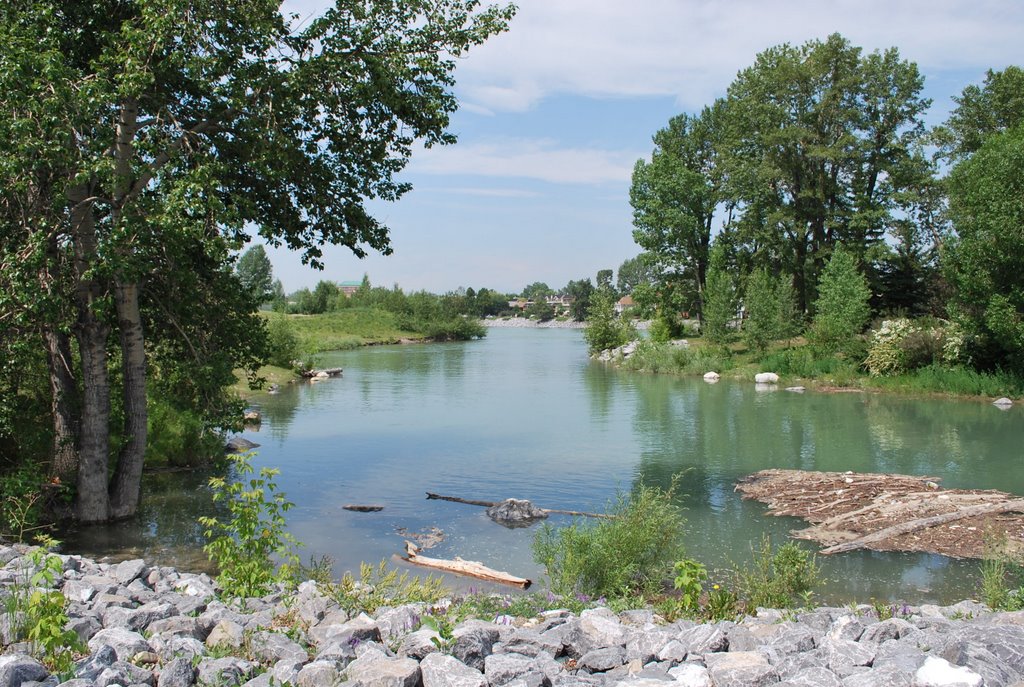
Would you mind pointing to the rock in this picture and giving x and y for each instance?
(1003, 402)
(516, 513)
(796, 389)
(374, 669)
(711, 377)
(128, 571)
(601, 628)
(846, 627)
(95, 663)
(601, 660)
(124, 673)
(224, 671)
(318, 673)
(177, 673)
(16, 669)
(473, 644)
(844, 656)
(271, 647)
(252, 417)
(501, 669)
(690, 675)
(938, 672)
(239, 445)
(740, 669)
(704, 639)
(419, 644)
(812, 677)
(226, 633)
(439, 670)
(766, 378)
(125, 643)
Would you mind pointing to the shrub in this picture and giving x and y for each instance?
(282, 342)
(604, 328)
(378, 586)
(779, 578)
(247, 547)
(886, 354)
(631, 552)
(842, 309)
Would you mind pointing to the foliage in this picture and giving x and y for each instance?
(769, 307)
(675, 195)
(719, 299)
(21, 512)
(689, 582)
(37, 613)
(256, 273)
(179, 437)
(537, 289)
(652, 356)
(380, 586)
(252, 549)
(633, 272)
(983, 111)
(580, 290)
(779, 578)
(631, 552)
(842, 309)
(282, 342)
(984, 262)
(540, 309)
(605, 329)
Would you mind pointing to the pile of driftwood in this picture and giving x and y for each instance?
(891, 512)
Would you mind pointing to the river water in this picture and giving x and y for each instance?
(523, 413)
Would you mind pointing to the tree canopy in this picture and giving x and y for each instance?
(145, 137)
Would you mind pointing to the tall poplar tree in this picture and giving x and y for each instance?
(137, 124)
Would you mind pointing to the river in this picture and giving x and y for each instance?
(523, 413)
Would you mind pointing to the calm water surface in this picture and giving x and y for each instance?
(524, 413)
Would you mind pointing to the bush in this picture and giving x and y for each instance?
(631, 552)
(605, 329)
(178, 438)
(247, 547)
(780, 578)
(842, 309)
(282, 342)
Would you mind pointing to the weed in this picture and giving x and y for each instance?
(37, 613)
(1002, 578)
(722, 604)
(378, 586)
(689, 582)
(627, 554)
(246, 546)
(779, 578)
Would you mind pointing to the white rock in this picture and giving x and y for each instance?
(766, 378)
(1003, 402)
(711, 377)
(938, 672)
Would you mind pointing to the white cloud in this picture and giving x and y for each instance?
(483, 192)
(538, 159)
(692, 49)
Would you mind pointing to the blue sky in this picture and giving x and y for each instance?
(556, 112)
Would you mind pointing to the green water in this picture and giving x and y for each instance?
(524, 413)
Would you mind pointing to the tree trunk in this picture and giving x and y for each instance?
(64, 392)
(124, 492)
(92, 501)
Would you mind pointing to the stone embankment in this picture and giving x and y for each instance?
(148, 625)
(525, 322)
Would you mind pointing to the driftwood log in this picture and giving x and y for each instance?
(491, 504)
(888, 512)
(362, 509)
(461, 567)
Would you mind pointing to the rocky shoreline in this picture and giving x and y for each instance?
(527, 323)
(157, 626)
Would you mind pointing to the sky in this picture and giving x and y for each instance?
(555, 113)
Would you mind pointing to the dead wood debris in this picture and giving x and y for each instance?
(888, 512)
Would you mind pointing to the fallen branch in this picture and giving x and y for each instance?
(461, 567)
(362, 509)
(491, 504)
(922, 523)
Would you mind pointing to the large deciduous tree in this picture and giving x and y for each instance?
(982, 111)
(823, 141)
(675, 196)
(136, 124)
(984, 261)
(256, 273)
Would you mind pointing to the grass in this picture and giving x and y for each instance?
(346, 329)
(796, 362)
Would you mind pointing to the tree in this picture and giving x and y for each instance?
(824, 145)
(842, 310)
(256, 273)
(537, 289)
(605, 329)
(580, 290)
(720, 300)
(981, 112)
(604, 279)
(540, 309)
(675, 195)
(149, 120)
(984, 262)
(633, 272)
(769, 308)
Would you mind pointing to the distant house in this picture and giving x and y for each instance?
(625, 303)
(349, 287)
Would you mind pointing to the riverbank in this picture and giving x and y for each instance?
(527, 323)
(147, 624)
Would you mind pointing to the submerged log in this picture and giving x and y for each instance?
(362, 509)
(887, 512)
(459, 566)
(492, 504)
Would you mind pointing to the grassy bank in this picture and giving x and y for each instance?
(798, 363)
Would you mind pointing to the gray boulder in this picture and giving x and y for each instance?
(177, 672)
(18, 668)
(374, 669)
(439, 670)
(516, 513)
(474, 643)
(224, 671)
(740, 669)
(125, 643)
(318, 673)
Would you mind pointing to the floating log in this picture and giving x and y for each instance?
(462, 567)
(491, 504)
(887, 512)
(322, 374)
(362, 509)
